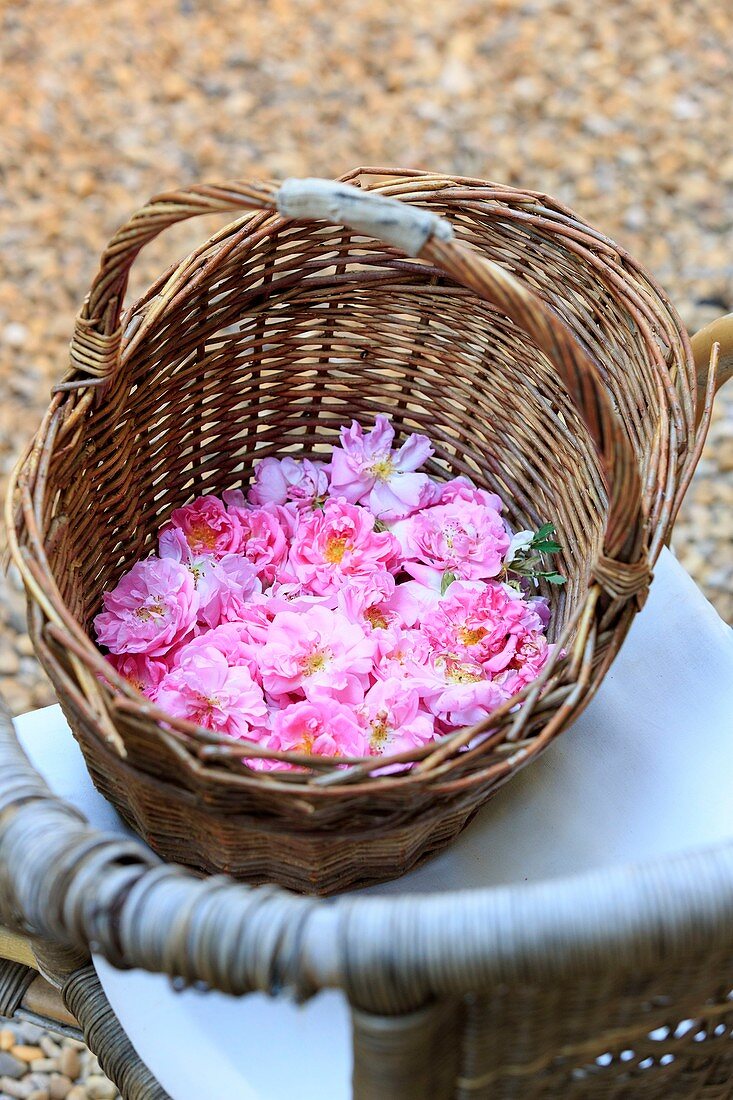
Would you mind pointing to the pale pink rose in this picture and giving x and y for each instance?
(255, 618)
(279, 480)
(319, 653)
(262, 538)
(462, 538)
(528, 660)
(207, 526)
(541, 608)
(291, 595)
(173, 544)
(205, 689)
(227, 590)
(225, 585)
(480, 621)
(317, 728)
(393, 719)
(403, 654)
(143, 672)
(366, 470)
(413, 600)
(234, 640)
(459, 693)
(334, 545)
(367, 600)
(462, 488)
(153, 607)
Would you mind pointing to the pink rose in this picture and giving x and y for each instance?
(462, 488)
(143, 672)
(480, 621)
(153, 607)
(225, 585)
(528, 660)
(393, 719)
(317, 728)
(334, 545)
(319, 653)
(233, 640)
(279, 480)
(366, 470)
(204, 688)
(368, 600)
(227, 590)
(263, 540)
(462, 538)
(459, 693)
(403, 654)
(207, 526)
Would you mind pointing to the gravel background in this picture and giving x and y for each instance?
(622, 110)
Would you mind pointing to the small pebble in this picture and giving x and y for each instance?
(15, 335)
(69, 1063)
(30, 1033)
(19, 1090)
(78, 1092)
(44, 1065)
(49, 1047)
(99, 1088)
(26, 1054)
(10, 1066)
(7, 1039)
(39, 1094)
(59, 1086)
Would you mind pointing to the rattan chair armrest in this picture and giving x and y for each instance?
(67, 881)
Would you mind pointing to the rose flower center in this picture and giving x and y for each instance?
(149, 611)
(201, 534)
(458, 673)
(382, 469)
(336, 547)
(380, 731)
(315, 661)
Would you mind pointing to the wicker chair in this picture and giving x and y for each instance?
(608, 984)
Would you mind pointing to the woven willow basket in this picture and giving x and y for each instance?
(541, 360)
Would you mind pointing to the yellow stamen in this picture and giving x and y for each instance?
(376, 618)
(382, 469)
(315, 661)
(150, 611)
(459, 673)
(336, 547)
(381, 730)
(202, 535)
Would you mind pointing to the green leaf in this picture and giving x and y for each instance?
(546, 547)
(555, 578)
(446, 582)
(545, 530)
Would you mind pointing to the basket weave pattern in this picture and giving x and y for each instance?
(569, 389)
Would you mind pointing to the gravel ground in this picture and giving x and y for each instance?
(37, 1066)
(622, 110)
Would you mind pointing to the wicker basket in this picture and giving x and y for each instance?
(542, 361)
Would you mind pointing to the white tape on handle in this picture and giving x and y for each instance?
(397, 223)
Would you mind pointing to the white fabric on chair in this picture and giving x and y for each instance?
(645, 772)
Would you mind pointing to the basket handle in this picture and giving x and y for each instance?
(622, 568)
(719, 331)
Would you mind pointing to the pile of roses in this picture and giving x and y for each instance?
(351, 609)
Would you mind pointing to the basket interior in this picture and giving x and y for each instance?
(276, 335)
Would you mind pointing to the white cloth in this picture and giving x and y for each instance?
(645, 772)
